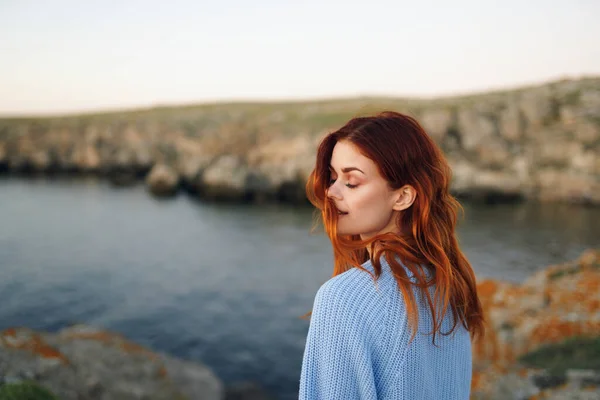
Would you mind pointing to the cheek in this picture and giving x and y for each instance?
(369, 211)
(369, 200)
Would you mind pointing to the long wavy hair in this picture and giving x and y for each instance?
(426, 243)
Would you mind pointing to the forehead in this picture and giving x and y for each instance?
(346, 154)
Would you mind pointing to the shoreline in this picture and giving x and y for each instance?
(536, 143)
(184, 188)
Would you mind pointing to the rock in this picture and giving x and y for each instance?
(123, 169)
(512, 123)
(437, 123)
(85, 362)
(586, 132)
(3, 158)
(475, 129)
(494, 155)
(545, 381)
(539, 107)
(86, 158)
(576, 187)
(485, 185)
(558, 154)
(282, 168)
(225, 179)
(162, 181)
(589, 99)
(246, 391)
(190, 168)
(553, 306)
(40, 160)
(583, 378)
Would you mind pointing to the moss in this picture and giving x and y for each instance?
(573, 353)
(564, 272)
(507, 326)
(25, 391)
(570, 271)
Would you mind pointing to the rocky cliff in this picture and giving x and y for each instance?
(543, 337)
(538, 142)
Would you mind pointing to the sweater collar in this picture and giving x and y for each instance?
(368, 265)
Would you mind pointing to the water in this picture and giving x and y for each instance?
(220, 284)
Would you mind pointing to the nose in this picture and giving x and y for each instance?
(334, 192)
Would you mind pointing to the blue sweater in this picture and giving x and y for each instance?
(358, 345)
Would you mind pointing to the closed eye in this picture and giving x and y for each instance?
(348, 185)
(332, 181)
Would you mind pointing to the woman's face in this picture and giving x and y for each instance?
(360, 193)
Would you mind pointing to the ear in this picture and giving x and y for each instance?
(405, 197)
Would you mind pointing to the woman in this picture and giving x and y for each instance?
(397, 318)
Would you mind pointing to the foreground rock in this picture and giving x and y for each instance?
(537, 143)
(553, 309)
(81, 362)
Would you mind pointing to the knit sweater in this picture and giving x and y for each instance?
(358, 347)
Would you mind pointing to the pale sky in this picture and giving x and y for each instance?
(60, 56)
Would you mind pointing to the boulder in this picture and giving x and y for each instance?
(86, 158)
(225, 179)
(162, 180)
(84, 362)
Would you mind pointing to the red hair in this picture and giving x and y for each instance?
(405, 155)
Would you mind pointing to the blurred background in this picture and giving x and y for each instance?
(153, 157)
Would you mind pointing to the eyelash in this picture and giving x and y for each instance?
(349, 186)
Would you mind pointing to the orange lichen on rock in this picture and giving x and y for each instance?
(589, 282)
(130, 347)
(553, 305)
(554, 330)
(110, 338)
(25, 339)
(487, 288)
(96, 335)
(476, 381)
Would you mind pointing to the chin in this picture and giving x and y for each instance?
(347, 232)
(344, 232)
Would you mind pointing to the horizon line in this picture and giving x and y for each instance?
(101, 110)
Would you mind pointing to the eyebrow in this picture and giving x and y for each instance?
(347, 169)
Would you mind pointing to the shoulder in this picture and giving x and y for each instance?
(353, 293)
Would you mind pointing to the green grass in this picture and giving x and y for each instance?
(572, 98)
(573, 353)
(25, 391)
